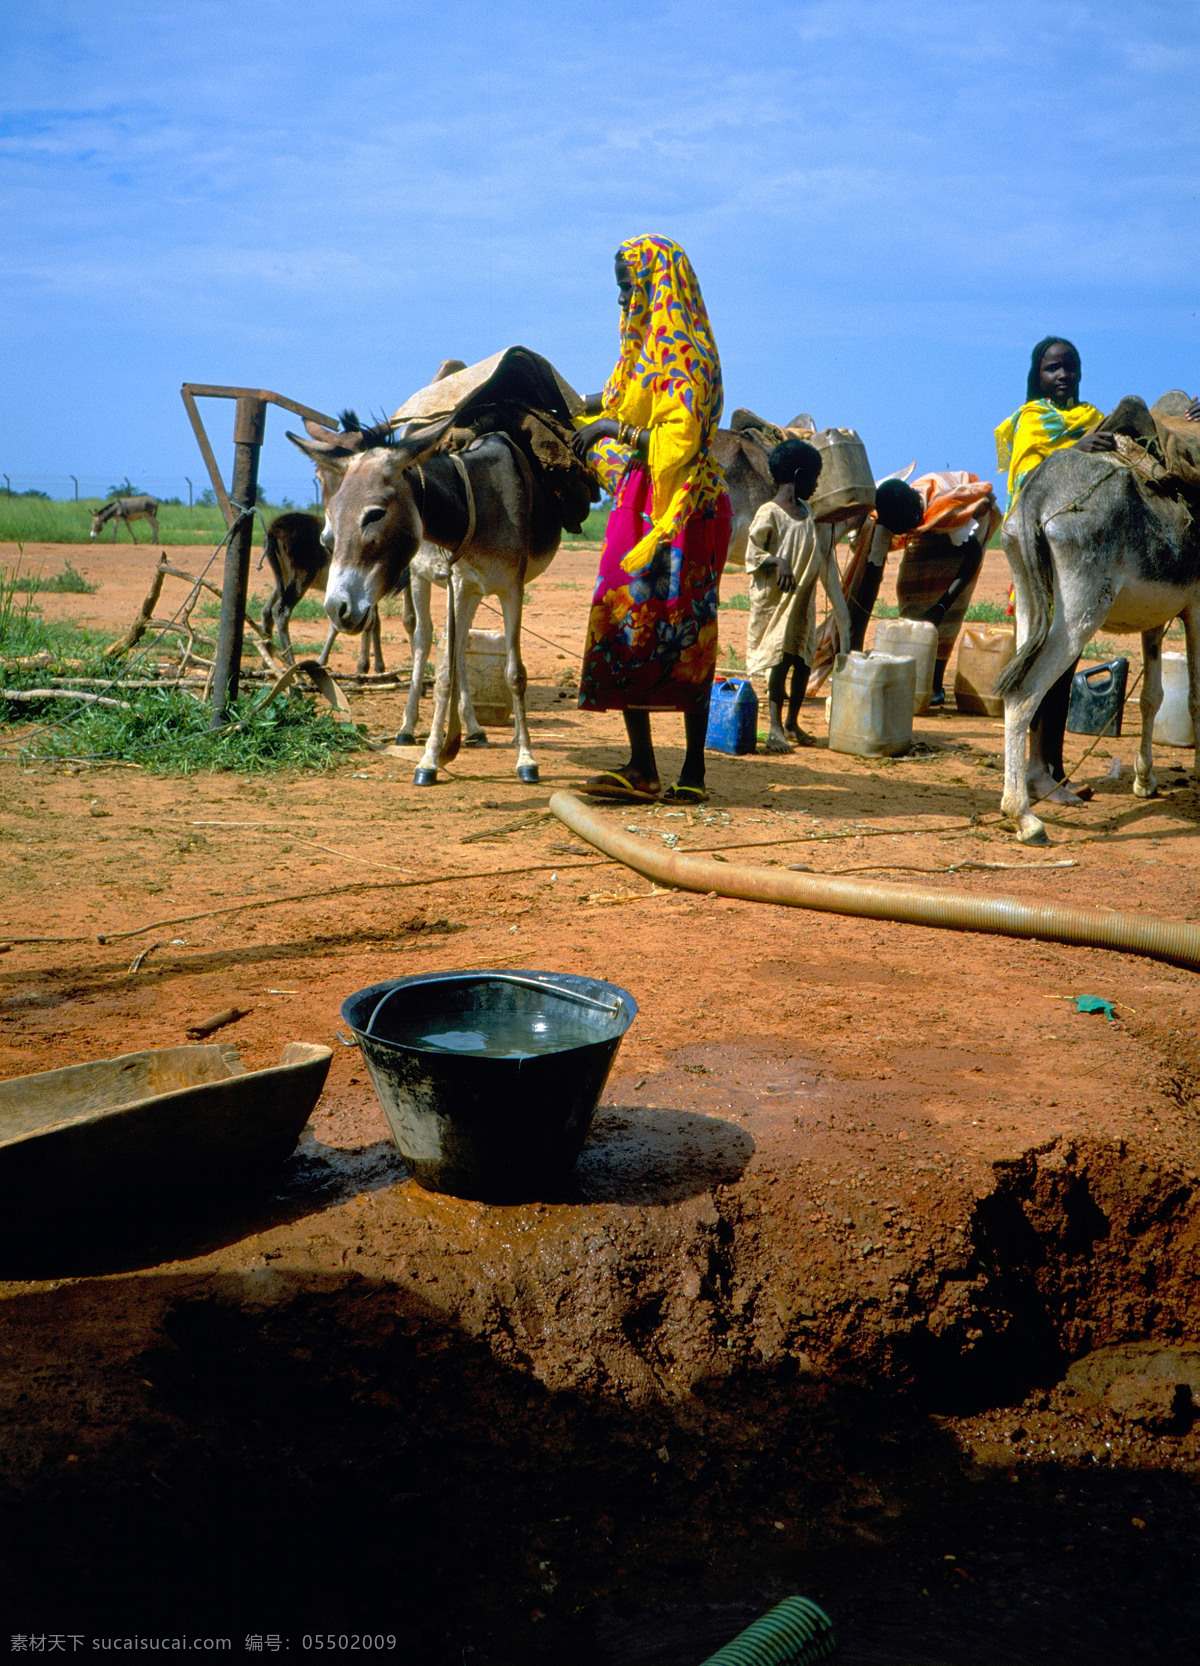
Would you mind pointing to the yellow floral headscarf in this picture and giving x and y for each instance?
(1033, 432)
(668, 380)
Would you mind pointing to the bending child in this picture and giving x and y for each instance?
(784, 560)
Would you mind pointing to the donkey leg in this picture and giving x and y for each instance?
(511, 602)
(1144, 783)
(474, 733)
(363, 663)
(444, 729)
(426, 772)
(1061, 649)
(422, 639)
(377, 641)
(323, 656)
(1018, 712)
(1191, 630)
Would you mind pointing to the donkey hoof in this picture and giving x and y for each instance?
(406, 738)
(528, 773)
(423, 776)
(479, 738)
(1035, 835)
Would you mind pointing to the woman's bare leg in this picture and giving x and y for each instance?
(642, 768)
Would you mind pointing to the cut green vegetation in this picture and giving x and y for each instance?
(167, 732)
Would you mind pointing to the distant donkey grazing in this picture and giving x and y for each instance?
(1090, 550)
(296, 556)
(122, 510)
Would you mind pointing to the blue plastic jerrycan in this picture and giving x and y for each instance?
(1098, 699)
(732, 717)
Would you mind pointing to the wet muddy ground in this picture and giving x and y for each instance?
(876, 1280)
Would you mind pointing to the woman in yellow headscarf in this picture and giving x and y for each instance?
(652, 634)
(1053, 416)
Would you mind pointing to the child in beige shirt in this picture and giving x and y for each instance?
(785, 557)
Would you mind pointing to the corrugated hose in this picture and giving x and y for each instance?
(1176, 941)
(794, 1633)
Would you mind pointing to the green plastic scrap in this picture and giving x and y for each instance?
(1095, 1003)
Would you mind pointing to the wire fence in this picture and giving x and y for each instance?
(166, 487)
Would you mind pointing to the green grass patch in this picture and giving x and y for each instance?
(307, 609)
(739, 603)
(989, 613)
(67, 583)
(23, 631)
(48, 521)
(167, 732)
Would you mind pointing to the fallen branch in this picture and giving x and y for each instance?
(326, 892)
(218, 1021)
(135, 964)
(142, 623)
(27, 695)
(125, 682)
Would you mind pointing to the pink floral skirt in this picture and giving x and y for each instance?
(652, 636)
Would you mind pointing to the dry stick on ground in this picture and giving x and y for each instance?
(327, 892)
(346, 855)
(218, 1021)
(30, 694)
(126, 682)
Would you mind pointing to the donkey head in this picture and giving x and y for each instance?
(373, 527)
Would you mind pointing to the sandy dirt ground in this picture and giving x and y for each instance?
(857, 1195)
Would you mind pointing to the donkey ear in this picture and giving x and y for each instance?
(328, 436)
(323, 452)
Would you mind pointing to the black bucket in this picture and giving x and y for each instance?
(489, 1080)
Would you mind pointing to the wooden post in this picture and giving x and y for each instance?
(248, 428)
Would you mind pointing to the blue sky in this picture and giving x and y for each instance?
(887, 203)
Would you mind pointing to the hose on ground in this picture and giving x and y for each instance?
(794, 1633)
(1170, 940)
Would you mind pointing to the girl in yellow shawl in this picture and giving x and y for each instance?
(652, 634)
(1053, 416)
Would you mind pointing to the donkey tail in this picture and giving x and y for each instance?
(1028, 552)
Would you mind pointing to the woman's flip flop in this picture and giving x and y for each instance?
(679, 794)
(608, 784)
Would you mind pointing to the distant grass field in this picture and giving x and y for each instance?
(33, 520)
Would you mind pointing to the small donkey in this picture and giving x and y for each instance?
(122, 511)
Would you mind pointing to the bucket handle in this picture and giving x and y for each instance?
(506, 977)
